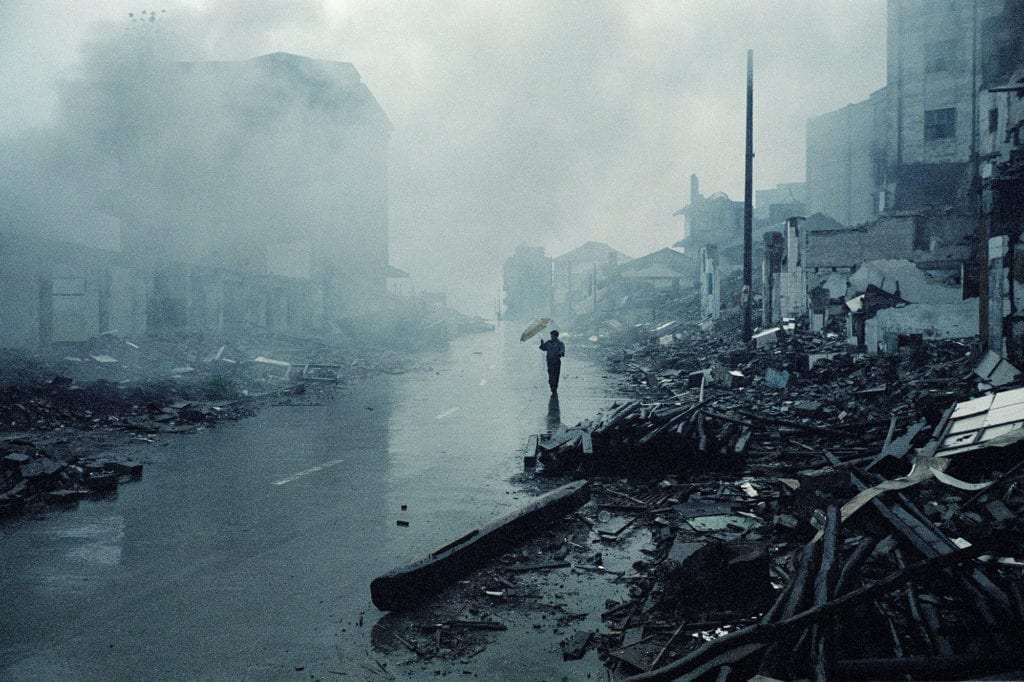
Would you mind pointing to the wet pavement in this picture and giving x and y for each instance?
(246, 551)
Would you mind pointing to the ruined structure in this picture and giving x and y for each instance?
(238, 193)
(773, 206)
(710, 220)
(911, 145)
(927, 170)
(581, 275)
(710, 284)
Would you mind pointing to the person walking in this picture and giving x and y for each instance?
(555, 350)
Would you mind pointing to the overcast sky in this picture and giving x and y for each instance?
(549, 122)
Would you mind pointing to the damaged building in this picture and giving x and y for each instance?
(923, 173)
(245, 193)
(581, 277)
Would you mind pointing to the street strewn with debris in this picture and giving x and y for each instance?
(527, 347)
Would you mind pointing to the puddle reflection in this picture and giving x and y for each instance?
(554, 419)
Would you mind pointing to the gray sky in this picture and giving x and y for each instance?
(544, 122)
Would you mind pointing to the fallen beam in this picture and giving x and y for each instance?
(406, 586)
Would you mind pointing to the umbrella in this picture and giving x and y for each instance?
(534, 327)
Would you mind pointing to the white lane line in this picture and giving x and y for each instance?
(447, 413)
(309, 471)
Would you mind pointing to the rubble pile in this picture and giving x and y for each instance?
(791, 510)
(751, 575)
(110, 390)
(706, 405)
(773, 571)
(30, 476)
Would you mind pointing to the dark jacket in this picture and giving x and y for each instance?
(555, 350)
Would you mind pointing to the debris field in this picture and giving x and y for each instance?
(792, 510)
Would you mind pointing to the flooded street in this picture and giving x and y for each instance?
(247, 550)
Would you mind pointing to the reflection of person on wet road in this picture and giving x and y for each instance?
(554, 413)
(555, 350)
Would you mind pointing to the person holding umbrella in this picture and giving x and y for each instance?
(556, 351)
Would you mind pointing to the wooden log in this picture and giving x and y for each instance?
(863, 550)
(915, 611)
(780, 653)
(587, 443)
(824, 589)
(404, 587)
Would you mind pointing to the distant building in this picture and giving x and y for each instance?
(846, 161)
(710, 220)
(933, 75)
(663, 271)
(909, 146)
(773, 206)
(580, 274)
(247, 193)
(527, 283)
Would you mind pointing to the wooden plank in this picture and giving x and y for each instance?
(531, 446)
(588, 444)
(410, 584)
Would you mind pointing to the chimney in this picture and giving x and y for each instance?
(694, 188)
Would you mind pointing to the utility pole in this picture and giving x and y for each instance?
(748, 203)
(984, 304)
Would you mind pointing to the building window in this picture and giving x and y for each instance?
(939, 124)
(940, 56)
(993, 120)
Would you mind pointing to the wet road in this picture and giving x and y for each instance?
(247, 550)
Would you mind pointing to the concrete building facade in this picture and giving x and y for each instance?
(846, 161)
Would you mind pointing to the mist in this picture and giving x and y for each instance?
(543, 123)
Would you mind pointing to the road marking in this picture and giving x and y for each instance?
(447, 413)
(307, 472)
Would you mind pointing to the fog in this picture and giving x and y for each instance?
(549, 123)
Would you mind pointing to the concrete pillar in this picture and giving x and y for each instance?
(710, 283)
(793, 278)
(999, 307)
(771, 268)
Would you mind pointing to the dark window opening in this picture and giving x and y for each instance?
(939, 124)
(993, 120)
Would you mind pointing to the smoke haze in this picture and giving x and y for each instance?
(550, 123)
